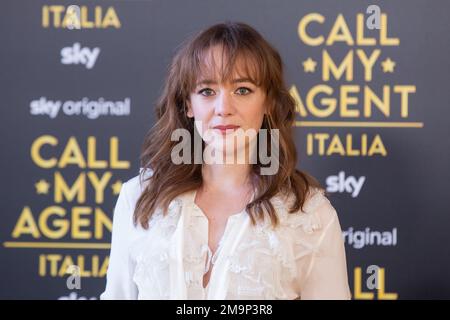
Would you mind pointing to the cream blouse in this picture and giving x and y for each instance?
(303, 258)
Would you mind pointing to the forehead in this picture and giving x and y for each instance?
(216, 65)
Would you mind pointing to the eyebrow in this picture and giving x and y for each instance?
(238, 80)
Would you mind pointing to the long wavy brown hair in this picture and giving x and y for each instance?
(264, 66)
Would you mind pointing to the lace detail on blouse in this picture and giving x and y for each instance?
(169, 260)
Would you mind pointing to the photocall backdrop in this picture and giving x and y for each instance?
(373, 125)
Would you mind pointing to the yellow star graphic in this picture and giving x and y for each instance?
(116, 187)
(309, 65)
(42, 187)
(388, 65)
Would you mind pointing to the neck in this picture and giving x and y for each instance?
(226, 177)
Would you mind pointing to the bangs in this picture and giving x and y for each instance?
(223, 63)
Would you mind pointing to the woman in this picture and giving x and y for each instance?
(188, 229)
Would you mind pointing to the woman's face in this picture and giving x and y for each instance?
(238, 102)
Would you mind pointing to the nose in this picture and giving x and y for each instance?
(224, 104)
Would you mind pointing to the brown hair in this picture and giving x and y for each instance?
(170, 180)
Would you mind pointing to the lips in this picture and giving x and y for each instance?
(224, 129)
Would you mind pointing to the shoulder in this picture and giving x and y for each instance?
(134, 186)
(316, 214)
(126, 202)
(319, 205)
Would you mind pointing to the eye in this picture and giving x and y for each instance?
(205, 90)
(244, 91)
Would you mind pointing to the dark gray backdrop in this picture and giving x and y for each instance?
(406, 190)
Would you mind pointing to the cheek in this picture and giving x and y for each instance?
(200, 110)
(253, 115)
(202, 115)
